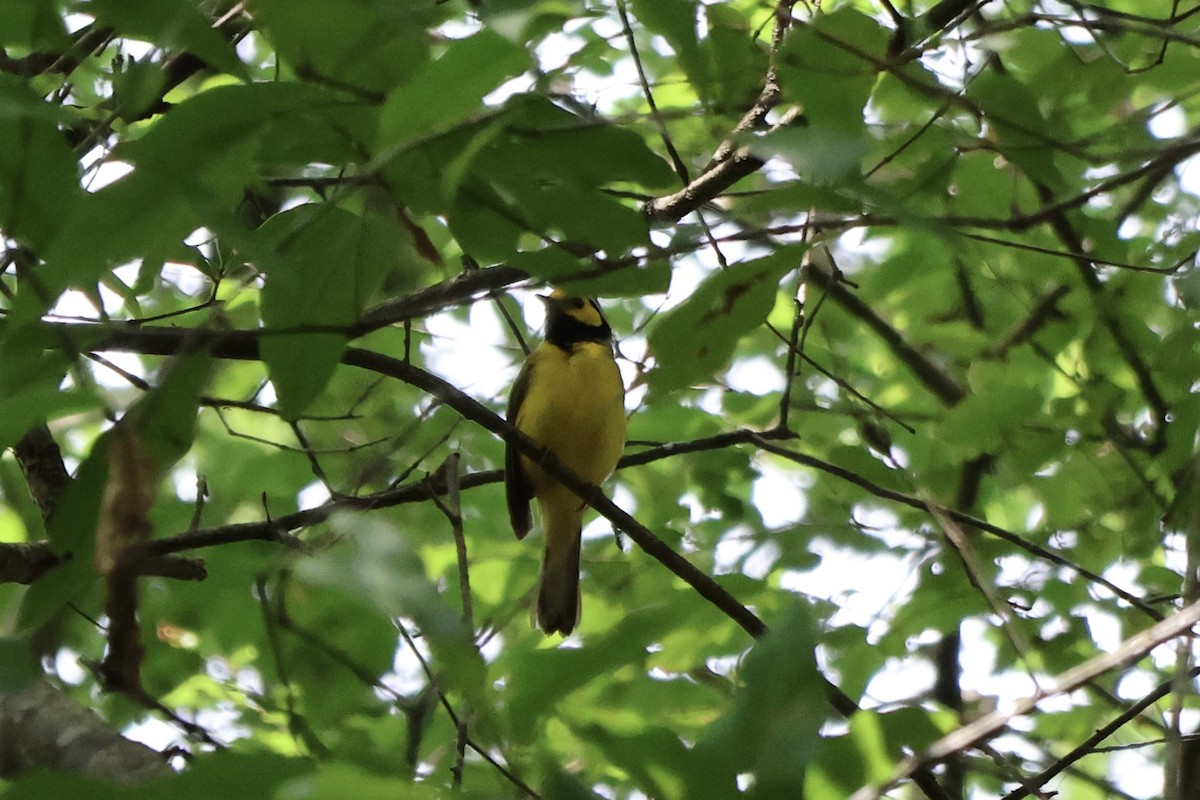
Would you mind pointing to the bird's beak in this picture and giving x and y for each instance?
(545, 298)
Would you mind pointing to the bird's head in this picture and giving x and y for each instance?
(571, 319)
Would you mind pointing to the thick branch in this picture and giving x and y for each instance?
(426, 301)
(471, 409)
(244, 345)
(278, 528)
(704, 188)
(41, 462)
(730, 163)
(42, 728)
(25, 562)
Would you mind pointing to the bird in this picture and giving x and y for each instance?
(570, 399)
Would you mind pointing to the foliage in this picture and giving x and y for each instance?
(905, 298)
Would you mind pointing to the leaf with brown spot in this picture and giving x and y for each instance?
(693, 341)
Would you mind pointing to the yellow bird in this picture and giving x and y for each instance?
(569, 398)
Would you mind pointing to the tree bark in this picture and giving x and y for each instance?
(43, 728)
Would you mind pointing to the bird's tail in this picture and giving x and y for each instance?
(557, 609)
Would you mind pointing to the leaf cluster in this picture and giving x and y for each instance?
(905, 300)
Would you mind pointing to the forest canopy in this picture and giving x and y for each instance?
(904, 296)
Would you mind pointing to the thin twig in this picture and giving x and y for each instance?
(1135, 647)
(425, 667)
(452, 508)
(1089, 745)
(975, 574)
(789, 367)
(680, 168)
(962, 519)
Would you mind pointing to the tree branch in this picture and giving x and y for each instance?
(42, 464)
(969, 735)
(730, 163)
(25, 562)
(1089, 744)
(935, 379)
(41, 728)
(962, 519)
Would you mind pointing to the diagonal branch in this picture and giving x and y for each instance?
(730, 163)
(1133, 648)
(473, 410)
(962, 519)
(1159, 408)
(465, 286)
(41, 728)
(935, 379)
(244, 345)
(1088, 745)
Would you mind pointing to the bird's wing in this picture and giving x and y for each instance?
(518, 488)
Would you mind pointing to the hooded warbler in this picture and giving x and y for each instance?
(570, 399)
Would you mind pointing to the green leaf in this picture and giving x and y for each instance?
(338, 780)
(229, 774)
(581, 217)
(376, 566)
(19, 668)
(674, 19)
(838, 771)
(772, 728)
(829, 67)
(314, 283)
(1001, 402)
(1021, 131)
(32, 24)
(555, 266)
(165, 418)
(727, 70)
(31, 384)
(559, 784)
(40, 785)
(541, 139)
(137, 87)
(173, 24)
(39, 182)
(301, 365)
(1187, 286)
(165, 421)
(191, 166)
(331, 263)
(201, 130)
(481, 228)
(72, 534)
(906, 727)
(474, 67)
(543, 678)
(819, 155)
(656, 759)
(523, 20)
(330, 692)
(358, 43)
(694, 340)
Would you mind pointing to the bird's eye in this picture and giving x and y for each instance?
(575, 303)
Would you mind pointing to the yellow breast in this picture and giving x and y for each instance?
(575, 405)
